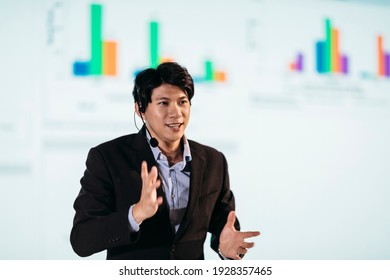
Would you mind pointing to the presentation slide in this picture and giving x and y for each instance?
(295, 94)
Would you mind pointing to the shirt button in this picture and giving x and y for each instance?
(173, 248)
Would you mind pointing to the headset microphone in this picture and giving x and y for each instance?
(153, 142)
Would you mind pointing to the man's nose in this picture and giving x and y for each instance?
(174, 110)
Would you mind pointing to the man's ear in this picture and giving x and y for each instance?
(136, 109)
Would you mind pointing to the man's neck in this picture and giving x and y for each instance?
(173, 152)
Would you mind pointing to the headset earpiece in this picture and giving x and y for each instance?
(140, 107)
(153, 141)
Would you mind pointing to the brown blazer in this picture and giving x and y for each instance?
(112, 183)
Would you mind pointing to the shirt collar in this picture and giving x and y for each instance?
(186, 152)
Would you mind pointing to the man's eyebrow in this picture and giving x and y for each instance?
(162, 98)
(167, 98)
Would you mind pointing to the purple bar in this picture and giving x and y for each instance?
(387, 64)
(344, 64)
(299, 63)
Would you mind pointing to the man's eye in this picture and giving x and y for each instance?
(162, 103)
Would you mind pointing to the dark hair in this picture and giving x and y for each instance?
(166, 73)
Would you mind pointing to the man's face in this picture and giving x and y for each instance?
(168, 114)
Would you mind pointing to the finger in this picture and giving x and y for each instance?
(153, 174)
(231, 219)
(247, 244)
(249, 234)
(144, 170)
(159, 200)
(241, 251)
(156, 184)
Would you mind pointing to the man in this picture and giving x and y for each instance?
(155, 194)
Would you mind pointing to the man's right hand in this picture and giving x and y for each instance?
(148, 204)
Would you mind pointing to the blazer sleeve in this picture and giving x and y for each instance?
(97, 224)
(225, 203)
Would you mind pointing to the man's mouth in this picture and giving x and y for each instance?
(174, 125)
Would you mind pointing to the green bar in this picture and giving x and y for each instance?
(209, 70)
(328, 46)
(154, 58)
(96, 39)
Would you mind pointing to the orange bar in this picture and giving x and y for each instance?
(292, 66)
(219, 76)
(109, 58)
(335, 51)
(381, 64)
(166, 59)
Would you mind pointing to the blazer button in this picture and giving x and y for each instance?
(173, 248)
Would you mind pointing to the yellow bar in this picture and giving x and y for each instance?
(109, 58)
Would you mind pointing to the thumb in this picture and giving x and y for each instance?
(231, 219)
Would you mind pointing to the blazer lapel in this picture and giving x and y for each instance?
(196, 178)
(144, 153)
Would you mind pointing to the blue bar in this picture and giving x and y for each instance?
(199, 79)
(81, 68)
(320, 57)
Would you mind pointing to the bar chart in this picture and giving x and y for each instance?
(210, 73)
(103, 60)
(328, 56)
(103, 53)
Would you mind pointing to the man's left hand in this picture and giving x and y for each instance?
(232, 243)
